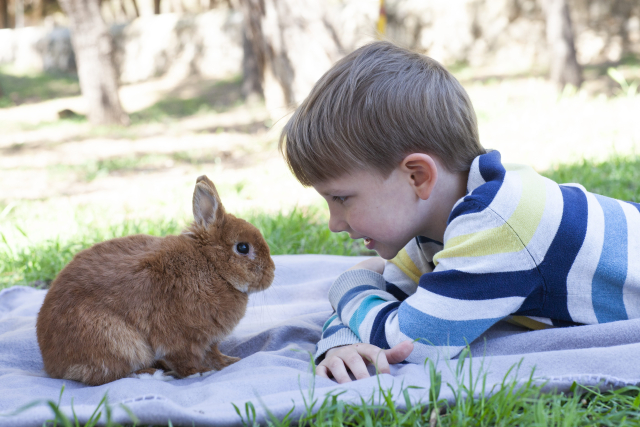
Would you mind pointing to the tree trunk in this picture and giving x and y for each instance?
(564, 69)
(4, 14)
(293, 44)
(135, 7)
(94, 57)
(253, 56)
(19, 13)
(156, 7)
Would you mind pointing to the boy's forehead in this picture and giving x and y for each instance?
(347, 182)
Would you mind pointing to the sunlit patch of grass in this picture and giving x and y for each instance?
(98, 168)
(19, 88)
(220, 97)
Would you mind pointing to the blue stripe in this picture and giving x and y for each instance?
(423, 239)
(470, 286)
(611, 273)
(332, 330)
(433, 330)
(361, 312)
(491, 167)
(396, 291)
(350, 294)
(378, 335)
(493, 173)
(328, 322)
(563, 251)
(564, 323)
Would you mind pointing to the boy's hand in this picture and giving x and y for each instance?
(355, 357)
(374, 264)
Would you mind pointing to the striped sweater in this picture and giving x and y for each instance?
(517, 246)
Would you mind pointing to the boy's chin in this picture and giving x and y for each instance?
(386, 253)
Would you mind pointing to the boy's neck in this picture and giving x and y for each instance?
(449, 188)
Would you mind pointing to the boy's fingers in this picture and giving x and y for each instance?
(400, 352)
(338, 370)
(321, 371)
(377, 358)
(356, 365)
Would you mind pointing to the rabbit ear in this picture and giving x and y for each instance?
(207, 208)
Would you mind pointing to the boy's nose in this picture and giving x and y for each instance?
(336, 225)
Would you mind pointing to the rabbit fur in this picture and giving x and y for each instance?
(137, 303)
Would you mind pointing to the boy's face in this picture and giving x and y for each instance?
(383, 212)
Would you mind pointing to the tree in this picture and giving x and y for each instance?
(289, 44)
(93, 48)
(564, 67)
(4, 14)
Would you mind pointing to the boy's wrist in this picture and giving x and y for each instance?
(341, 338)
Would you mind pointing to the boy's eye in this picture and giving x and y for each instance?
(339, 199)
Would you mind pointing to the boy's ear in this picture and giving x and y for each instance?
(422, 172)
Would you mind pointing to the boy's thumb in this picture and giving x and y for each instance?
(400, 352)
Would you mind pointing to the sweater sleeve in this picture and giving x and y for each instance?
(470, 289)
(401, 276)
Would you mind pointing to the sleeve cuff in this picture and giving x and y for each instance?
(351, 279)
(344, 336)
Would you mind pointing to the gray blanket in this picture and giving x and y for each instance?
(275, 338)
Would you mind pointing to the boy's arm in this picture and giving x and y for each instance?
(469, 291)
(401, 276)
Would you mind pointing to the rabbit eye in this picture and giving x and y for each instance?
(242, 248)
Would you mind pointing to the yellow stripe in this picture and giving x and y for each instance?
(404, 262)
(528, 323)
(512, 236)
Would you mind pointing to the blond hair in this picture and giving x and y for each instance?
(373, 108)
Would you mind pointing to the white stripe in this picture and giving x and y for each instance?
(472, 223)
(580, 275)
(457, 309)
(493, 263)
(393, 274)
(549, 223)
(504, 204)
(475, 177)
(631, 289)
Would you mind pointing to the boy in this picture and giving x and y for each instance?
(389, 138)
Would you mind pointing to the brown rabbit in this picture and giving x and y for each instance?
(140, 302)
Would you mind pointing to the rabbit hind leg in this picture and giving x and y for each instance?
(123, 351)
(219, 360)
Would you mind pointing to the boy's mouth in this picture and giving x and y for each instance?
(369, 242)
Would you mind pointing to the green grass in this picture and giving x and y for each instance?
(515, 402)
(617, 177)
(35, 87)
(302, 231)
